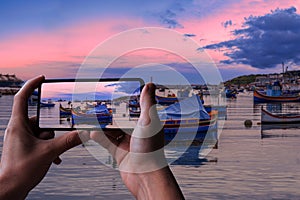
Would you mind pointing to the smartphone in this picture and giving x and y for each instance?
(68, 104)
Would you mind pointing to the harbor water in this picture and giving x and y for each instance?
(245, 165)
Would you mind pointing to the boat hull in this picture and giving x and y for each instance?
(96, 118)
(64, 112)
(166, 100)
(261, 98)
(190, 129)
(47, 105)
(270, 118)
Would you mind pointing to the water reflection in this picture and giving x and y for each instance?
(280, 130)
(192, 156)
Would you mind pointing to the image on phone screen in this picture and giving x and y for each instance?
(89, 104)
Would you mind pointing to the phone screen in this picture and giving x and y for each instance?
(89, 104)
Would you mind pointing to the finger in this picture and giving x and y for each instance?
(33, 125)
(20, 105)
(32, 120)
(147, 101)
(148, 124)
(68, 141)
(44, 135)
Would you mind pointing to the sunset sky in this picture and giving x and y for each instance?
(89, 90)
(241, 36)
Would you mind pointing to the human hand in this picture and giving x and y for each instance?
(28, 153)
(140, 156)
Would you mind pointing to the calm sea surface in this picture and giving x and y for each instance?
(244, 166)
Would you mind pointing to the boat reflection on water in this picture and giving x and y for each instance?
(280, 120)
(280, 130)
(190, 153)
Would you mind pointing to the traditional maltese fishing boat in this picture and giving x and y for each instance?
(98, 115)
(280, 118)
(64, 112)
(47, 104)
(274, 93)
(188, 120)
(262, 98)
(193, 127)
(166, 100)
(134, 108)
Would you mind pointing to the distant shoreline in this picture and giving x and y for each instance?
(9, 90)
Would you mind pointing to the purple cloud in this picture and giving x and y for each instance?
(265, 41)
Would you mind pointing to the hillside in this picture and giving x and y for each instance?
(243, 80)
(246, 79)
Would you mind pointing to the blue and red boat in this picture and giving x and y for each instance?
(188, 120)
(98, 115)
(166, 100)
(259, 97)
(64, 112)
(48, 104)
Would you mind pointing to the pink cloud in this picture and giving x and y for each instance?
(70, 45)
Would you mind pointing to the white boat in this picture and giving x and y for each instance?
(282, 118)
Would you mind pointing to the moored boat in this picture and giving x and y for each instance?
(64, 112)
(187, 128)
(166, 100)
(258, 97)
(188, 120)
(282, 118)
(134, 108)
(99, 115)
(47, 104)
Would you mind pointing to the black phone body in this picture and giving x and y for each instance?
(89, 104)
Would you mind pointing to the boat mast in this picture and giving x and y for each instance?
(282, 72)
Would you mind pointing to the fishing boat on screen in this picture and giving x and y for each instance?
(48, 104)
(187, 120)
(280, 118)
(98, 115)
(134, 108)
(171, 99)
(64, 112)
(166, 100)
(263, 98)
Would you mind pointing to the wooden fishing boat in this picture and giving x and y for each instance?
(187, 120)
(197, 128)
(64, 112)
(171, 125)
(222, 110)
(258, 97)
(272, 118)
(102, 117)
(166, 100)
(134, 108)
(47, 104)
(134, 113)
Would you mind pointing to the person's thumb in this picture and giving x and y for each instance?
(148, 124)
